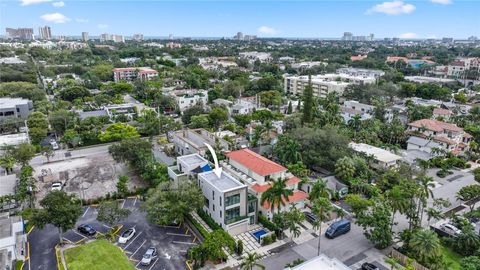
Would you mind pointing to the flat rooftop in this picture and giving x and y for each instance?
(12, 102)
(192, 159)
(13, 139)
(224, 183)
(8, 184)
(378, 153)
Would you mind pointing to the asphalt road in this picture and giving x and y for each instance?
(172, 242)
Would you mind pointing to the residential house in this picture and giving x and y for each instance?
(450, 137)
(350, 108)
(259, 173)
(15, 108)
(12, 241)
(439, 114)
(186, 98)
(381, 158)
(187, 167)
(321, 262)
(192, 141)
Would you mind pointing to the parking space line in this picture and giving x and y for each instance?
(84, 213)
(67, 240)
(107, 226)
(179, 234)
(186, 243)
(194, 239)
(133, 240)
(123, 203)
(168, 226)
(134, 202)
(153, 264)
(188, 230)
(144, 241)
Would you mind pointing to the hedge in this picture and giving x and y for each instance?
(209, 220)
(267, 223)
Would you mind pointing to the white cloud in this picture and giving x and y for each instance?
(392, 8)
(442, 2)
(102, 25)
(32, 2)
(58, 4)
(267, 30)
(55, 17)
(81, 20)
(408, 35)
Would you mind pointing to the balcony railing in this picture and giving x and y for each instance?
(235, 219)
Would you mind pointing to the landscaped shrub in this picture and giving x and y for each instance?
(274, 238)
(208, 219)
(239, 247)
(443, 173)
(267, 240)
(267, 223)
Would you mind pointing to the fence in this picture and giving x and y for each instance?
(403, 260)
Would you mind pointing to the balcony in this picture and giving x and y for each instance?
(235, 219)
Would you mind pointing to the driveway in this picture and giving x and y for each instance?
(172, 242)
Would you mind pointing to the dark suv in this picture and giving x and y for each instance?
(86, 229)
(369, 266)
(310, 217)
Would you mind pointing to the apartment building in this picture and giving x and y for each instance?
(192, 141)
(126, 109)
(256, 56)
(188, 167)
(425, 79)
(15, 107)
(225, 201)
(321, 85)
(45, 32)
(85, 37)
(19, 33)
(382, 159)
(186, 98)
(448, 136)
(361, 72)
(258, 173)
(350, 108)
(12, 241)
(132, 73)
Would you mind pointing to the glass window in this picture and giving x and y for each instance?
(231, 200)
(232, 214)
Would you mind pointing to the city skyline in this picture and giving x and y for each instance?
(310, 19)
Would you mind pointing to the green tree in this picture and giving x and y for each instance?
(7, 161)
(122, 188)
(270, 98)
(319, 189)
(287, 150)
(74, 92)
(117, 132)
(376, 223)
(62, 120)
(293, 218)
(167, 204)
(277, 195)
(103, 72)
(344, 168)
(199, 121)
(470, 263)
(467, 193)
(467, 243)
(217, 117)
(23, 153)
(307, 110)
(250, 261)
(48, 152)
(321, 208)
(426, 245)
(37, 120)
(60, 209)
(110, 212)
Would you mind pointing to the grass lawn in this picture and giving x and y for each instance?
(452, 257)
(97, 255)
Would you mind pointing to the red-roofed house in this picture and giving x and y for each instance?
(442, 113)
(259, 173)
(449, 136)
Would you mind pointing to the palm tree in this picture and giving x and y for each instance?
(339, 212)
(320, 189)
(293, 218)
(277, 195)
(321, 208)
(425, 244)
(397, 201)
(425, 192)
(250, 261)
(355, 123)
(8, 162)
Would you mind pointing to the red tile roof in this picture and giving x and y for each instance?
(293, 180)
(261, 188)
(255, 162)
(435, 125)
(295, 197)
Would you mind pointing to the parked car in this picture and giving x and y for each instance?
(126, 235)
(57, 186)
(450, 229)
(312, 218)
(54, 144)
(86, 229)
(338, 228)
(369, 266)
(149, 256)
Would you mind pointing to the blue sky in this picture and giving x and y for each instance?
(388, 18)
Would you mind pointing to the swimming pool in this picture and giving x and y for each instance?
(259, 234)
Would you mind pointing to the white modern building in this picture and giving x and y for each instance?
(187, 98)
(321, 262)
(192, 141)
(425, 79)
(132, 73)
(15, 107)
(382, 159)
(12, 241)
(225, 201)
(187, 167)
(254, 56)
(350, 108)
(321, 85)
(361, 72)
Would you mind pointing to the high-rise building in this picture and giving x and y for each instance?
(138, 37)
(347, 36)
(118, 38)
(85, 36)
(20, 33)
(45, 32)
(239, 36)
(170, 37)
(105, 37)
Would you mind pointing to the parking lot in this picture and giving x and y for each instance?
(171, 242)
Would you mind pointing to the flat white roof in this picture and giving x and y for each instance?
(13, 139)
(379, 153)
(12, 102)
(225, 183)
(192, 159)
(321, 262)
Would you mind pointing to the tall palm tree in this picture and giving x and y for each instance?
(277, 195)
(250, 261)
(425, 192)
(397, 201)
(320, 189)
(355, 123)
(321, 208)
(8, 162)
(425, 244)
(293, 219)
